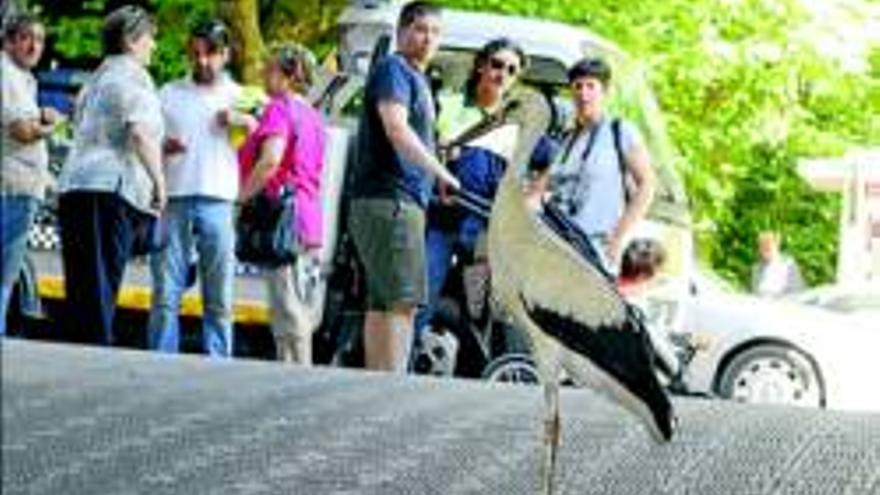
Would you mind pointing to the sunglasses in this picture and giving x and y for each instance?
(498, 64)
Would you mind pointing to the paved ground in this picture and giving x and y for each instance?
(90, 421)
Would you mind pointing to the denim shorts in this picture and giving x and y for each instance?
(389, 235)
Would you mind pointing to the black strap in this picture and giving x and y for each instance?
(575, 206)
(572, 139)
(621, 161)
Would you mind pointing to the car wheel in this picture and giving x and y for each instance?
(772, 374)
(511, 368)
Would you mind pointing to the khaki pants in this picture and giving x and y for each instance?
(293, 318)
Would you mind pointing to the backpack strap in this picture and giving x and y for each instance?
(621, 160)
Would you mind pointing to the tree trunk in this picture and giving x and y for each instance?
(248, 48)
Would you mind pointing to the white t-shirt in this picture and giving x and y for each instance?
(24, 165)
(209, 165)
(776, 277)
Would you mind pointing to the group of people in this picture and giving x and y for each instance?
(405, 239)
(142, 154)
(155, 169)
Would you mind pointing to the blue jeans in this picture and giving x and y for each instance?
(439, 248)
(206, 226)
(16, 214)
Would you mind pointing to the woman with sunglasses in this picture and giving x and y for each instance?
(286, 152)
(112, 183)
(451, 229)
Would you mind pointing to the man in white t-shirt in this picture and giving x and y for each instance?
(23, 153)
(201, 176)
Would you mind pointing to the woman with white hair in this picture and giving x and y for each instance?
(112, 184)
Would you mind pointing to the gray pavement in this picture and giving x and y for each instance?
(80, 420)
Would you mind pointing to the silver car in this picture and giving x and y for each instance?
(779, 351)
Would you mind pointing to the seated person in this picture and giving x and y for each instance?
(640, 264)
(479, 164)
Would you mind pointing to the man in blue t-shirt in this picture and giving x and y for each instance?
(391, 184)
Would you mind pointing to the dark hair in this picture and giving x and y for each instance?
(125, 23)
(17, 24)
(298, 62)
(642, 258)
(214, 31)
(483, 56)
(595, 68)
(416, 10)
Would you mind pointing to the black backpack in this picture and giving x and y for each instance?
(626, 179)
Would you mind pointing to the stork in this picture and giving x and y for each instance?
(575, 318)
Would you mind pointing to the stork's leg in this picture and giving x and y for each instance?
(551, 437)
(552, 430)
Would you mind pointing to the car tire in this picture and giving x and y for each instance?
(512, 368)
(772, 374)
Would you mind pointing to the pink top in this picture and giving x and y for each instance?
(302, 127)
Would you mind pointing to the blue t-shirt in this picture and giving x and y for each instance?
(380, 172)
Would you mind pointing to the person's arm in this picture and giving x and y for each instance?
(405, 141)
(639, 165)
(230, 117)
(27, 131)
(536, 187)
(149, 151)
(268, 160)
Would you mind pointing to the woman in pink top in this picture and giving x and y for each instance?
(287, 151)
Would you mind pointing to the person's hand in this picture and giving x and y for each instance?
(248, 121)
(160, 197)
(313, 253)
(173, 145)
(244, 196)
(444, 193)
(224, 117)
(232, 118)
(534, 199)
(50, 117)
(612, 248)
(449, 181)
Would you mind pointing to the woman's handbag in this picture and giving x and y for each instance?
(266, 230)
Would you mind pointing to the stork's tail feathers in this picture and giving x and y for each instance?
(643, 382)
(616, 360)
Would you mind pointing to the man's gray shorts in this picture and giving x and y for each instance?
(389, 235)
